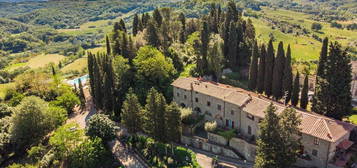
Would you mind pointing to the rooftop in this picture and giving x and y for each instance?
(255, 104)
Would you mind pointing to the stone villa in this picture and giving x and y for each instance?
(325, 141)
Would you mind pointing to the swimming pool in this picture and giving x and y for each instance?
(75, 81)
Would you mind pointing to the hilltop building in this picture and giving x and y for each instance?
(325, 141)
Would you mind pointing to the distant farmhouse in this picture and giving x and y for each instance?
(325, 141)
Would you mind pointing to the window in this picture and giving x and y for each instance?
(316, 141)
(249, 130)
(185, 97)
(208, 103)
(250, 117)
(178, 94)
(314, 152)
(232, 124)
(219, 107)
(227, 123)
(196, 99)
(232, 112)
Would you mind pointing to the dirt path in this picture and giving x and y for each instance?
(81, 116)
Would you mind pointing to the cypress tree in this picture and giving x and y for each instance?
(278, 73)
(116, 47)
(116, 29)
(157, 17)
(173, 122)
(108, 98)
(296, 90)
(323, 59)
(122, 26)
(270, 142)
(60, 65)
(81, 96)
(107, 42)
(124, 46)
(204, 44)
(289, 123)
(152, 36)
(98, 82)
(333, 91)
(135, 25)
(154, 115)
(53, 70)
(261, 70)
(253, 69)
(287, 76)
(304, 100)
(269, 66)
(321, 83)
(131, 117)
(90, 65)
(232, 46)
(183, 28)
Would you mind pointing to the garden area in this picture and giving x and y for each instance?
(160, 155)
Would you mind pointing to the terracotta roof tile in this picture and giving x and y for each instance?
(312, 123)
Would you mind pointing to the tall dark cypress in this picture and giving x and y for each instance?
(232, 46)
(107, 42)
(116, 29)
(81, 93)
(124, 46)
(323, 59)
(304, 100)
(98, 84)
(204, 44)
(296, 90)
(157, 17)
(122, 26)
(116, 47)
(253, 69)
(320, 82)
(135, 24)
(152, 36)
(333, 90)
(53, 70)
(182, 19)
(287, 76)
(261, 70)
(269, 66)
(108, 99)
(278, 73)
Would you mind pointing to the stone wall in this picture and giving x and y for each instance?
(244, 148)
(209, 147)
(217, 139)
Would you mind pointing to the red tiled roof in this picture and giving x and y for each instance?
(345, 144)
(312, 123)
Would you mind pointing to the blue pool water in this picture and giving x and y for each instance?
(75, 81)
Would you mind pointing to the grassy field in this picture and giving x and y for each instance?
(96, 26)
(304, 47)
(77, 65)
(37, 61)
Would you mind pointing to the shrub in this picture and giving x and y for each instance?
(101, 126)
(67, 101)
(187, 116)
(210, 126)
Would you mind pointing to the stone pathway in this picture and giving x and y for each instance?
(128, 159)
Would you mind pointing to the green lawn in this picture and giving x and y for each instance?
(37, 61)
(77, 65)
(304, 47)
